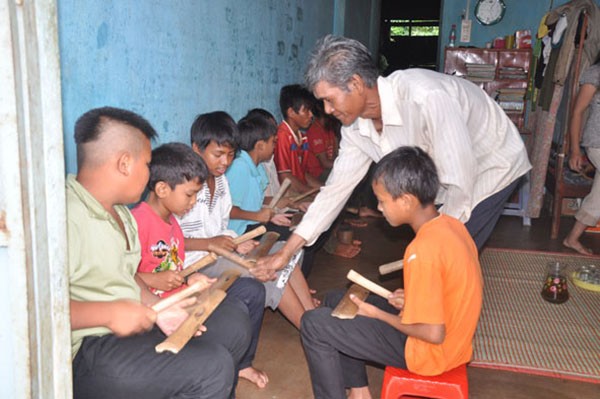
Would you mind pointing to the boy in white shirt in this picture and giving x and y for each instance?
(213, 137)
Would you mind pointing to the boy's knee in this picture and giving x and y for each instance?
(312, 320)
(250, 291)
(240, 323)
(332, 298)
(217, 379)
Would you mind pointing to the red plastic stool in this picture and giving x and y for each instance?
(452, 384)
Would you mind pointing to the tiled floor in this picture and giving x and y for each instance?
(280, 352)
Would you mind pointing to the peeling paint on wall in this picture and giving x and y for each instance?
(274, 76)
(102, 35)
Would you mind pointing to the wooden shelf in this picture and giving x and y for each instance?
(503, 62)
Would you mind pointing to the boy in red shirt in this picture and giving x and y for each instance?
(173, 190)
(322, 143)
(177, 174)
(292, 156)
(428, 326)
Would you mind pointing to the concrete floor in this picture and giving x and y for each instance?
(280, 352)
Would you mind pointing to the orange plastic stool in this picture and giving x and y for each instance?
(452, 384)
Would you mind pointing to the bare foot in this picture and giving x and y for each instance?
(351, 209)
(359, 393)
(348, 250)
(356, 222)
(254, 375)
(366, 212)
(315, 301)
(577, 246)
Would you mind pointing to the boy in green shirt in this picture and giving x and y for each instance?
(113, 326)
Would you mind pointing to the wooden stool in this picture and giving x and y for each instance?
(452, 384)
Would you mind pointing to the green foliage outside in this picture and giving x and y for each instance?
(414, 28)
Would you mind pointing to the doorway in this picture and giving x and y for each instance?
(409, 34)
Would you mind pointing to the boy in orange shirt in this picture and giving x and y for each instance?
(428, 326)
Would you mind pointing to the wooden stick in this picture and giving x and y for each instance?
(178, 296)
(211, 257)
(207, 303)
(260, 230)
(201, 263)
(188, 328)
(347, 309)
(231, 256)
(365, 283)
(284, 186)
(391, 267)
(306, 194)
(266, 243)
(225, 280)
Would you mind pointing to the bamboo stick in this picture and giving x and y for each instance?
(200, 264)
(391, 267)
(266, 243)
(180, 295)
(260, 230)
(188, 328)
(284, 186)
(306, 194)
(365, 283)
(347, 309)
(207, 303)
(231, 256)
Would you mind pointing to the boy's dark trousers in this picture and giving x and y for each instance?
(251, 293)
(335, 348)
(129, 367)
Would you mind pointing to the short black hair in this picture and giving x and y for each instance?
(254, 129)
(408, 170)
(261, 112)
(330, 122)
(175, 163)
(294, 97)
(91, 124)
(217, 126)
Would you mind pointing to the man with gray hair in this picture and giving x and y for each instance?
(478, 151)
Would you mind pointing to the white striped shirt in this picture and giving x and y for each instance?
(477, 150)
(207, 218)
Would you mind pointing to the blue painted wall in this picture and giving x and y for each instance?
(170, 60)
(520, 14)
